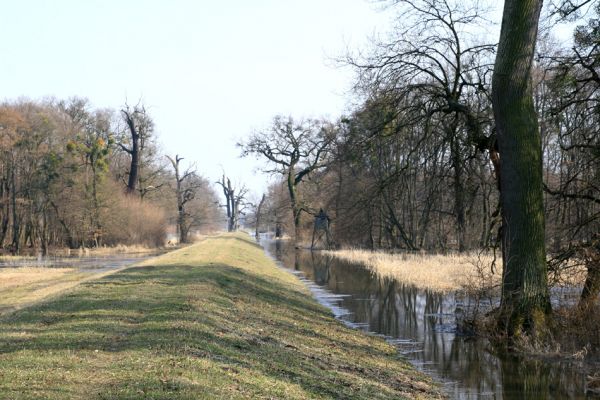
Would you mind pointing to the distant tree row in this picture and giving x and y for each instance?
(72, 175)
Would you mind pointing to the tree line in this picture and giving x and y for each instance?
(458, 143)
(72, 175)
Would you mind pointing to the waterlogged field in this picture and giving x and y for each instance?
(216, 320)
(20, 287)
(27, 280)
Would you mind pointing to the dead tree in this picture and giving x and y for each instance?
(139, 126)
(184, 194)
(258, 214)
(233, 203)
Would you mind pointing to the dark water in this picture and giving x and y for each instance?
(422, 325)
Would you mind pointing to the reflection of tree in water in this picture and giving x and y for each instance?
(434, 345)
(320, 266)
(296, 259)
(405, 312)
(537, 379)
(470, 362)
(279, 248)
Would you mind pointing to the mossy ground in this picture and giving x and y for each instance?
(216, 320)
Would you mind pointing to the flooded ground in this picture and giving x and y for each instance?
(27, 280)
(422, 325)
(93, 263)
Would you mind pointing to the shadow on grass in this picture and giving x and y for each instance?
(218, 313)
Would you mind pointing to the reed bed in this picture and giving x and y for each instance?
(441, 273)
(446, 272)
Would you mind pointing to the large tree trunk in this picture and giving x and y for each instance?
(182, 226)
(591, 287)
(258, 215)
(459, 190)
(296, 209)
(134, 152)
(525, 300)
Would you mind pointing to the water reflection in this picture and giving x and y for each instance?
(422, 325)
(96, 263)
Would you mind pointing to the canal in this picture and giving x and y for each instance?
(422, 325)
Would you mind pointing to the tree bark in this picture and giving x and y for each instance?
(182, 226)
(591, 287)
(134, 152)
(296, 209)
(525, 299)
(258, 215)
(459, 190)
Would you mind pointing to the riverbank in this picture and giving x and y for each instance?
(214, 320)
(469, 281)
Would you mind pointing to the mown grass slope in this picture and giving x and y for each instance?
(217, 320)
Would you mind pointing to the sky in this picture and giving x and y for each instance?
(209, 72)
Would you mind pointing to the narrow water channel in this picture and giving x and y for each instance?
(422, 325)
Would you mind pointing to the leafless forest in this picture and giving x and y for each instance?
(75, 176)
(456, 147)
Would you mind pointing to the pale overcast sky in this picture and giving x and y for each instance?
(209, 71)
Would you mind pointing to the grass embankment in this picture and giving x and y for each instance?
(214, 320)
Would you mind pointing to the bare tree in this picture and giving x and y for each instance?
(234, 203)
(573, 186)
(434, 72)
(295, 149)
(185, 191)
(259, 210)
(139, 125)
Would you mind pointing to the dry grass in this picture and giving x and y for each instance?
(20, 287)
(441, 273)
(10, 257)
(577, 332)
(446, 273)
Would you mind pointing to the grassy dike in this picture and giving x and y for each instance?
(216, 320)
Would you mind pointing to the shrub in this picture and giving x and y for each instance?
(128, 220)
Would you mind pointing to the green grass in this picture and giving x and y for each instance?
(217, 320)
